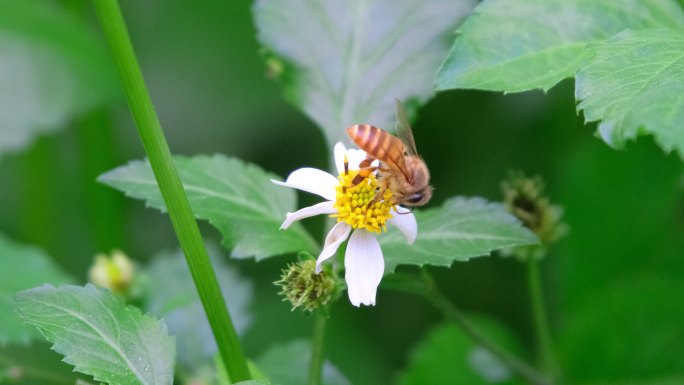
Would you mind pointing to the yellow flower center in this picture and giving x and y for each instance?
(353, 203)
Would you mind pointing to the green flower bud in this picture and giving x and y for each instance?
(275, 66)
(304, 288)
(114, 272)
(525, 198)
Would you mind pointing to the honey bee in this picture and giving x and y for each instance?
(401, 169)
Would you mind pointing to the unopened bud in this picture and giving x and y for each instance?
(304, 288)
(525, 198)
(114, 272)
(275, 65)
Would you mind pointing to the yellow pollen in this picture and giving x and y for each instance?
(352, 203)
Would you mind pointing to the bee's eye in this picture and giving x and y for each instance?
(415, 198)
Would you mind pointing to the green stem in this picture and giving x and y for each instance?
(541, 323)
(316, 367)
(429, 291)
(519, 367)
(221, 374)
(157, 150)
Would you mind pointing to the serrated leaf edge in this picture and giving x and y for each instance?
(225, 240)
(130, 310)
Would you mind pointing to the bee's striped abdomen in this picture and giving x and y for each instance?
(379, 144)
(375, 141)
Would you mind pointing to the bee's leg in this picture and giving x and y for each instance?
(364, 170)
(384, 184)
(378, 196)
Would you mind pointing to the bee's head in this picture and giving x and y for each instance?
(418, 198)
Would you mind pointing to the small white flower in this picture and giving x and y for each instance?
(349, 204)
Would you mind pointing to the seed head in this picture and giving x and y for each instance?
(525, 198)
(304, 288)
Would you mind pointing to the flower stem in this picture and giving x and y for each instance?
(221, 375)
(157, 150)
(519, 367)
(547, 358)
(316, 367)
(429, 291)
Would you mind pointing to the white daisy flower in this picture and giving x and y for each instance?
(349, 204)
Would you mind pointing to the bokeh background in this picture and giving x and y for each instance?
(614, 284)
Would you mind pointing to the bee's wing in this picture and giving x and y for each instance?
(404, 130)
(399, 164)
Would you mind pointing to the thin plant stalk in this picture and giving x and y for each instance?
(452, 313)
(427, 289)
(320, 322)
(166, 174)
(317, 358)
(547, 358)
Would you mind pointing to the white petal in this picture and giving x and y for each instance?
(311, 180)
(405, 221)
(336, 236)
(354, 157)
(319, 208)
(364, 267)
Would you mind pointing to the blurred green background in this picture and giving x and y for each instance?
(614, 285)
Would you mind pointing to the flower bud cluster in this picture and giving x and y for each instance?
(304, 288)
(525, 198)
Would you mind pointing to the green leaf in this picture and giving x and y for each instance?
(251, 383)
(170, 294)
(288, 364)
(23, 267)
(53, 69)
(635, 324)
(99, 335)
(347, 61)
(34, 365)
(448, 347)
(519, 45)
(633, 84)
(237, 198)
(670, 380)
(462, 228)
